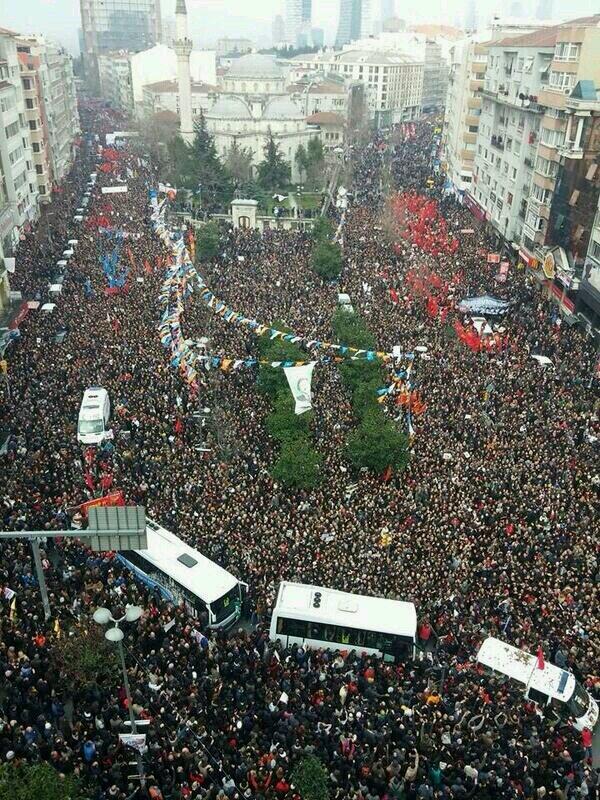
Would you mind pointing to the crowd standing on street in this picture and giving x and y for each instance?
(494, 522)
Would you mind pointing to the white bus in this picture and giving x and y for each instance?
(183, 575)
(317, 617)
(551, 686)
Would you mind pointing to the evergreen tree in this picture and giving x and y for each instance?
(207, 172)
(377, 444)
(274, 171)
(327, 260)
(207, 245)
(180, 164)
(21, 781)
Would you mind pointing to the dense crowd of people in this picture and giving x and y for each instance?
(493, 523)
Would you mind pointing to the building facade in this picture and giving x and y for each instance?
(227, 46)
(509, 128)
(114, 74)
(567, 134)
(393, 81)
(435, 77)
(464, 103)
(589, 292)
(254, 103)
(110, 26)
(19, 186)
(322, 95)
(51, 109)
(164, 96)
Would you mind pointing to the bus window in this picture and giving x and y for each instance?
(316, 630)
(579, 702)
(538, 697)
(357, 638)
(293, 627)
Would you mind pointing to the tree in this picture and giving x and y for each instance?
(39, 781)
(283, 423)
(322, 230)
(207, 172)
(298, 465)
(350, 329)
(315, 157)
(272, 380)
(85, 657)
(301, 158)
(377, 444)
(238, 163)
(310, 776)
(327, 260)
(180, 165)
(207, 241)
(274, 171)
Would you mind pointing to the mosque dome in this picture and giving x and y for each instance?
(255, 65)
(282, 107)
(229, 107)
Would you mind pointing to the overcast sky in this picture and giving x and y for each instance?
(209, 19)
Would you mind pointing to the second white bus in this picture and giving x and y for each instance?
(317, 617)
(183, 575)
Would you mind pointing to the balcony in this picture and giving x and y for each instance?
(497, 142)
(528, 163)
(521, 101)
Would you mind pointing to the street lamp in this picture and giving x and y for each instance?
(115, 634)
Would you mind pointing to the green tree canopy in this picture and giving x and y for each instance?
(351, 329)
(208, 175)
(322, 230)
(207, 241)
(85, 657)
(327, 260)
(39, 781)
(377, 444)
(283, 423)
(180, 164)
(272, 380)
(298, 465)
(310, 777)
(274, 171)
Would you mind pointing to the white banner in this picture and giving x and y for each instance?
(9, 263)
(299, 379)
(135, 740)
(113, 189)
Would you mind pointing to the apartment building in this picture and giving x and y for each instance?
(19, 185)
(589, 292)
(393, 81)
(569, 134)
(164, 96)
(435, 77)
(114, 74)
(509, 129)
(322, 95)
(50, 109)
(464, 103)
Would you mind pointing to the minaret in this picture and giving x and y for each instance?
(183, 48)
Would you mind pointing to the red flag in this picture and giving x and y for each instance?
(394, 296)
(541, 664)
(147, 267)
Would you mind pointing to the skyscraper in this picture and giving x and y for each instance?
(298, 15)
(277, 30)
(388, 9)
(471, 17)
(110, 25)
(354, 21)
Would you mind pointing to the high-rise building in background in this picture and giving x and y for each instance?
(355, 21)
(471, 17)
(18, 184)
(113, 25)
(544, 9)
(297, 22)
(388, 9)
(277, 31)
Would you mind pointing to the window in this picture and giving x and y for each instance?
(595, 250)
(29, 103)
(561, 81)
(539, 194)
(6, 103)
(12, 129)
(546, 167)
(42, 188)
(552, 138)
(26, 84)
(32, 125)
(15, 155)
(473, 128)
(566, 51)
(39, 169)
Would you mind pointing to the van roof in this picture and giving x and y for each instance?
(521, 666)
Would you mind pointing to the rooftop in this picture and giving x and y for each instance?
(544, 37)
(325, 118)
(374, 57)
(171, 87)
(325, 87)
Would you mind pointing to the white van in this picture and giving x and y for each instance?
(551, 686)
(94, 415)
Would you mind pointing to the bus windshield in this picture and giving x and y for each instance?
(225, 605)
(91, 426)
(579, 701)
